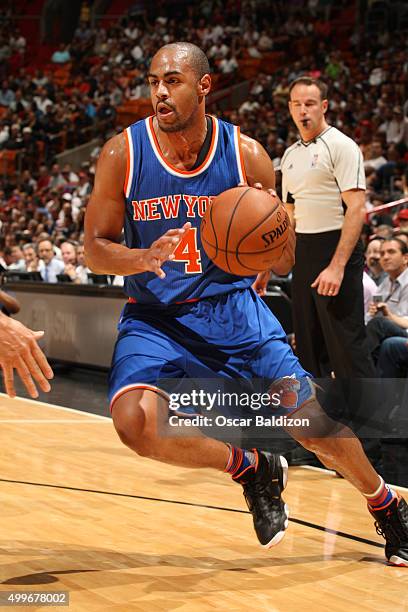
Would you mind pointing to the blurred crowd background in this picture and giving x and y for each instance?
(71, 80)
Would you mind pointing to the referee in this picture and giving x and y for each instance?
(323, 186)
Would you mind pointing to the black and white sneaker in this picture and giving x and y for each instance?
(262, 492)
(392, 524)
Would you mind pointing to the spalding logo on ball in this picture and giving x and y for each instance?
(245, 230)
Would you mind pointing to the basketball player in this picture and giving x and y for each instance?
(187, 318)
(19, 350)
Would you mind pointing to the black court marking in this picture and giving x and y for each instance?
(341, 534)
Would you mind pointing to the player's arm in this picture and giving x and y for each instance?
(260, 171)
(104, 220)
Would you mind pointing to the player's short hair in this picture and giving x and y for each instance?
(305, 80)
(197, 59)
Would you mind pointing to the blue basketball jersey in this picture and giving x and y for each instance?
(160, 197)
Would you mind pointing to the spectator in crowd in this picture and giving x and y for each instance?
(384, 231)
(70, 177)
(402, 218)
(69, 257)
(49, 266)
(64, 113)
(57, 180)
(370, 289)
(395, 127)
(373, 261)
(84, 187)
(389, 315)
(7, 95)
(62, 55)
(393, 358)
(31, 258)
(376, 158)
(81, 271)
(402, 235)
(14, 259)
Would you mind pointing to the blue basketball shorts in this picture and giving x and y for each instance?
(232, 336)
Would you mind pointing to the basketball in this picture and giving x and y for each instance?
(245, 230)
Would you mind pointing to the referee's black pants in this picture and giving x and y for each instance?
(330, 331)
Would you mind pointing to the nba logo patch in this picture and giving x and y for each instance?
(288, 390)
(314, 160)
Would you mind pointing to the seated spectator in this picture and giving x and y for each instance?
(44, 177)
(228, 65)
(373, 263)
(69, 257)
(7, 95)
(42, 100)
(84, 188)
(384, 231)
(49, 266)
(70, 177)
(393, 358)
(376, 158)
(62, 55)
(402, 235)
(402, 218)
(81, 271)
(13, 256)
(56, 180)
(389, 315)
(370, 289)
(31, 258)
(249, 106)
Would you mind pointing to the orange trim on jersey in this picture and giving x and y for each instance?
(125, 186)
(142, 386)
(174, 168)
(241, 156)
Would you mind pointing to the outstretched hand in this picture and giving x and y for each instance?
(162, 250)
(19, 351)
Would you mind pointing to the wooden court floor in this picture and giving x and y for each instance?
(81, 513)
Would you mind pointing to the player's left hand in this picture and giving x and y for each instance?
(329, 281)
(261, 283)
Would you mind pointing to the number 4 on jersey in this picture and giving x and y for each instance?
(188, 252)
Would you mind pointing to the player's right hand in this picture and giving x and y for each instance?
(162, 250)
(19, 351)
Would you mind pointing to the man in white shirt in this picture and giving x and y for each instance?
(323, 176)
(49, 265)
(389, 314)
